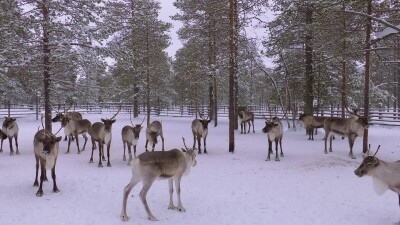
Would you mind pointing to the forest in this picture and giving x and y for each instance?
(324, 53)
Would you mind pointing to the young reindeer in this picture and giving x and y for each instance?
(154, 129)
(74, 128)
(130, 136)
(200, 130)
(73, 115)
(246, 117)
(151, 166)
(385, 175)
(311, 123)
(274, 130)
(45, 146)
(10, 129)
(101, 132)
(351, 128)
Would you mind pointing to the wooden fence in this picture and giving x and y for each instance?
(389, 117)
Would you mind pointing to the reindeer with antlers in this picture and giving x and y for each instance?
(153, 130)
(274, 130)
(385, 175)
(73, 115)
(130, 136)
(10, 130)
(200, 130)
(74, 128)
(101, 132)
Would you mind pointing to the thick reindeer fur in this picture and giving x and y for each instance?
(311, 123)
(200, 130)
(385, 175)
(130, 136)
(274, 131)
(345, 127)
(74, 128)
(246, 117)
(151, 166)
(73, 115)
(45, 146)
(10, 129)
(153, 130)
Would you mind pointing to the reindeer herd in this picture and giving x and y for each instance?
(173, 164)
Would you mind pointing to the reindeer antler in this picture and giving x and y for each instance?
(119, 109)
(184, 144)
(377, 150)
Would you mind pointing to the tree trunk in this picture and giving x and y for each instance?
(135, 101)
(232, 73)
(147, 77)
(309, 95)
(366, 78)
(46, 66)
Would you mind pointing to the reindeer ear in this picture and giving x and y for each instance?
(113, 120)
(183, 150)
(102, 120)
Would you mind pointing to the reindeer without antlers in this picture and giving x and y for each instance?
(351, 128)
(130, 136)
(311, 123)
(385, 175)
(10, 130)
(153, 130)
(274, 130)
(101, 132)
(45, 146)
(246, 117)
(151, 166)
(200, 130)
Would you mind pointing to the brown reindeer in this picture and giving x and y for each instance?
(101, 133)
(153, 130)
(10, 129)
(246, 117)
(274, 129)
(200, 130)
(73, 115)
(130, 136)
(74, 128)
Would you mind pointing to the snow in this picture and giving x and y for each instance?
(305, 187)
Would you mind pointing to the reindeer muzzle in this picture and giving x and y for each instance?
(359, 172)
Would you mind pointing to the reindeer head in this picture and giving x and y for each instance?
(189, 154)
(363, 121)
(9, 122)
(269, 125)
(368, 164)
(49, 141)
(58, 118)
(65, 120)
(301, 117)
(136, 130)
(109, 122)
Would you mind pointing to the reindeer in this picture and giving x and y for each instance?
(385, 175)
(45, 146)
(10, 129)
(130, 136)
(154, 129)
(101, 132)
(274, 130)
(74, 128)
(346, 127)
(151, 166)
(200, 130)
(246, 117)
(73, 115)
(311, 123)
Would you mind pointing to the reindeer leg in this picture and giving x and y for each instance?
(199, 144)
(39, 193)
(69, 143)
(152, 147)
(147, 141)
(102, 152)
(252, 122)
(36, 183)
(65, 139)
(178, 192)
(127, 190)
(93, 147)
(100, 149)
(53, 176)
(244, 127)
(1, 147)
(124, 157)
(205, 150)
(130, 153)
(249, 126)
(280, 143)
(108, 154)
(11, 148)
(241, 128)
(146, 187)
(162, 139)
(326, 140)
(276, 150)
(16, 144)
(84, 144)
(352, 138)
(77, 142)
(171, 191)
(269, 150)
(330, 143)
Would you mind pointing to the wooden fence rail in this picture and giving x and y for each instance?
(389, 117)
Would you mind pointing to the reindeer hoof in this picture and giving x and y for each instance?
(205, 152)
(152, 218)
(39, 193)
(36, 183)
(55, 190)
(1, 150)
(100, 165)
(124, 158)
(352, 156)
(172, 207)
(66, 153)
(124, 218)
(181, 209)
(277, 159)
(268, 159)
(91, 161)
(109, 165)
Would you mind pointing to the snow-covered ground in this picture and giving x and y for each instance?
(305, 187)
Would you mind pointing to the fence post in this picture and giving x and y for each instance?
(9, 108)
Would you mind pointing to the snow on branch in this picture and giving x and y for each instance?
(382, 21)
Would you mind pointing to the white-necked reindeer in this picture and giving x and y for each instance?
(101, 132)
(274, 130)
(130, 136)
(10, 129)
(153, 130)
(351, 128)
(200, 130)
(45, 146)
(385, 175)
(151, 166)
(246, 117)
